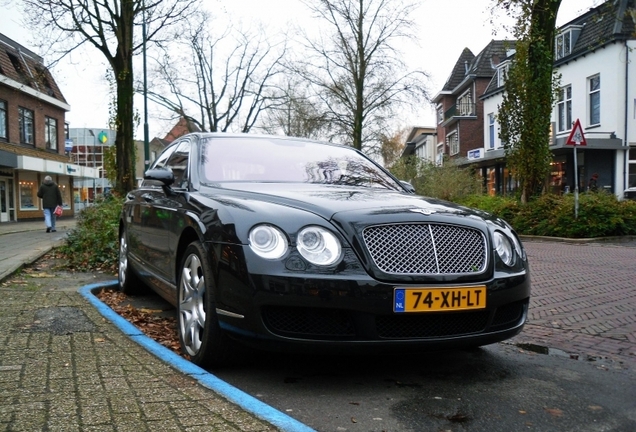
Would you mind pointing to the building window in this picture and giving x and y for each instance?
(564, 107)
(465, 106)
(452, 141)
(50, 133)
(491, 131)
(502, 73)
(3, 119)
(563, 45)
(631, 179)
(565, 41)
(595, 99)
(440, 114)
(25, 119)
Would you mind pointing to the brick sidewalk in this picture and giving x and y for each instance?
(583, 299)
(63, 367)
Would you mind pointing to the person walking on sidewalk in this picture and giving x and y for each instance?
(51, 198)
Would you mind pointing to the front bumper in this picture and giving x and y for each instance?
(356, 313)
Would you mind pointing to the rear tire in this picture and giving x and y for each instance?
(200, 335)
(129, 283)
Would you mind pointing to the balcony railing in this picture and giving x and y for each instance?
(461, 110)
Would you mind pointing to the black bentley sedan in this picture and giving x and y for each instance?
(288, 243)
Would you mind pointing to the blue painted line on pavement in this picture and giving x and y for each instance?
(245, 401)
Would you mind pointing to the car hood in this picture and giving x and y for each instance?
(349, 210)
(346, 203)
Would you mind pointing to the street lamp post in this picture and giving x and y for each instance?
(90, 131)
(146, 144)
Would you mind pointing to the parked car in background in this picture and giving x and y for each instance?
(287, 243)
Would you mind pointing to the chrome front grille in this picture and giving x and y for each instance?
(426, 248)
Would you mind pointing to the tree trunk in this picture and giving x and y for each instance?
(122, 68)
(541, 59)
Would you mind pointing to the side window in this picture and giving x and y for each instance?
(163, 157)
(160, 163)
(178, 163)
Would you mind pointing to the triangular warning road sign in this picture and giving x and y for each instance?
(576, 135)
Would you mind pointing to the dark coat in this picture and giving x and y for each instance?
(50, 194)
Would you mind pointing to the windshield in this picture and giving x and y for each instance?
(287, 161)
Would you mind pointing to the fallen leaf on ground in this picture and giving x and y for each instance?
(162, 330)
(555, 412)
(41, 275)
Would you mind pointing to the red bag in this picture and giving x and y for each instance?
(58, 211)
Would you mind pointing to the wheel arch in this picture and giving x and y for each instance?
(188, 235)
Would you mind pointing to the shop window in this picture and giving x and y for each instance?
(558, 181)
(28, 189)
(491, 181)
(509, 183)
(65, 190)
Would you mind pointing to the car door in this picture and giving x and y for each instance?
(165, 212)
(140, 219)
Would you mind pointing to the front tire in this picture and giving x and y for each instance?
(200, 335)
(129, 283)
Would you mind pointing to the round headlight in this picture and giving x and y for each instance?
(318, 246)
(518, 246)
(268, 241)
(504, 248)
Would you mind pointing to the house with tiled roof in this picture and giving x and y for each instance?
(421, 142)
(595, 57)
(458, 106)
(33, 133)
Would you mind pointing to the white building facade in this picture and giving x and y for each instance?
(596, 60)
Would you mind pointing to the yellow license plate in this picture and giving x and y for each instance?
(439, 299)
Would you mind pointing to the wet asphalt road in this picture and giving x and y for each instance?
(496, 388)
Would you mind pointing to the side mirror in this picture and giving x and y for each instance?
(164, 176)
(408, 186)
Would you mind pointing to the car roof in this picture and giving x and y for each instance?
(214, 135)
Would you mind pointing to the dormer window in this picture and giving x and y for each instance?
(565, 41)
(502, 73)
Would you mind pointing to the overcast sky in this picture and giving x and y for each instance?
(446, 27)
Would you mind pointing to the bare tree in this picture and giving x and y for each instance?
(294, 114)
(220, 83)
(109, 26)
(392, 145)
(354, 67)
